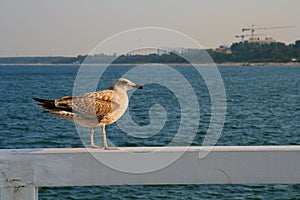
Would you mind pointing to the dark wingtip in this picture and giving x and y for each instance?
(45, 103)
(141, 87)
(39, 99)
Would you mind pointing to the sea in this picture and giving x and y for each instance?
(263, 108)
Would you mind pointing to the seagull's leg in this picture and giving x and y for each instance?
(92, 139)
(104, 140)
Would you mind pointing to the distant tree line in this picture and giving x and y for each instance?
(151, 58)
(240, 52)
(255, 52)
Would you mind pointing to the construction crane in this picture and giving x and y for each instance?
(246, 35)
(253, 28)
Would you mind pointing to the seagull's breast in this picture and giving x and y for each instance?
(121, 99)
(114, 108)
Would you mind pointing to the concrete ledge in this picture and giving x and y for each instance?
(29, 168)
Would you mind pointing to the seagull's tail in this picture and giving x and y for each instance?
(45, 103)
(50, 107)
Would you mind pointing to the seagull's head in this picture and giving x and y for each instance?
(124, 84)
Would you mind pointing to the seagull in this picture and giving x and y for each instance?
(94, 108)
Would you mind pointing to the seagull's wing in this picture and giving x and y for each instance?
(105, 103)
(90, 104)
(84, 108)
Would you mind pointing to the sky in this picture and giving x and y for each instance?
(73, 27)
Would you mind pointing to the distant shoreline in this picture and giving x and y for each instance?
(259, 64)
(236, 64)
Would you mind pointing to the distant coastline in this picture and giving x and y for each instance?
(259, 64)
(235, 64)
(239, 54)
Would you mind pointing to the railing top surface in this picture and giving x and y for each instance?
(153, 149)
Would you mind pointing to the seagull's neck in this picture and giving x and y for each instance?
(122, 96)
(119, 90)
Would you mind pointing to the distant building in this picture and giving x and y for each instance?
(294, 60)
(267, 40)
(158, 51)
(167, 50)
(223, 49)
(143, 51)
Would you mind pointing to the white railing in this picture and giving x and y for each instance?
(22, 171)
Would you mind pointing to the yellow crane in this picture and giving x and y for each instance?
(253, 28)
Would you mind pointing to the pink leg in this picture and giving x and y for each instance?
(92, 140)
(105, 142)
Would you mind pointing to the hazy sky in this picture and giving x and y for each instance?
(72, 27)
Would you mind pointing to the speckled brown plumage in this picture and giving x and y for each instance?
(94, 108)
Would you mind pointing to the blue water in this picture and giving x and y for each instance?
(263, 109)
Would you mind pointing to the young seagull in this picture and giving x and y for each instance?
(94, 108)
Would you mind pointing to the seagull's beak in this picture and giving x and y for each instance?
(139, 87)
